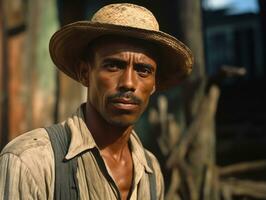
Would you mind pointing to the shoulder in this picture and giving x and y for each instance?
(28, 161)
(32, 149)
(30, 141)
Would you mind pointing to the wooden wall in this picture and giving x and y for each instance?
(33, 93)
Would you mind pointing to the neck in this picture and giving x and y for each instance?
(108, 137)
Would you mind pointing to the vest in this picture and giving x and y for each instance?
(66, 184)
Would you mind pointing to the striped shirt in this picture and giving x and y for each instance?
(27, 168)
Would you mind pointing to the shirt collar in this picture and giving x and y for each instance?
(138, 151)
(82, 140)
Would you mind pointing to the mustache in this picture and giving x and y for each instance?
(127, 95)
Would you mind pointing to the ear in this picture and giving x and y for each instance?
(83, 73)
(153, 89)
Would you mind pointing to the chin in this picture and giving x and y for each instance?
(121, 124)
(123, 120)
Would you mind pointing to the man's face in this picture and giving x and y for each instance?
(121, 80)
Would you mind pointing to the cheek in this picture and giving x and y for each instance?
(94, 90)
(106, 83)
(148, 86)
(147, 89)
(100, 86)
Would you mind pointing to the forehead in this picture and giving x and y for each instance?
(110, 45)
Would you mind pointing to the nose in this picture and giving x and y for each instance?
(127, 81)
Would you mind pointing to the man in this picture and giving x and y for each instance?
(122, 58)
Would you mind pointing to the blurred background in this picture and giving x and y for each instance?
(209, 133)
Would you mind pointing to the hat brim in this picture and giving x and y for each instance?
(67, 46)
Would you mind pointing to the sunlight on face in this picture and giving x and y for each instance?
(121, 81)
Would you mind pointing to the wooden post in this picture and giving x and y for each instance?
(27, 72)
(12, 15)
(3, 79)
(42, 23)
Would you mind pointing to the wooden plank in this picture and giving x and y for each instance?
(3, 82)
(31, 74)
(244, 188)
(42, 23)
(14, 12)
(16, 107)
(72, 94)
(242, 168)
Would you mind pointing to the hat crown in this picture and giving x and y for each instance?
(126, 14)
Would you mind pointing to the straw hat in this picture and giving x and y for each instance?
(67, 45)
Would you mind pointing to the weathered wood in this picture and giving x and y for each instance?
(71, 93)
(194, 147)
(13, 13)
(42, 23)
(17, 107)
(200, 132)
(30, 73)
(174, 184)
(242, 168)
(3, 81)
(233, 187)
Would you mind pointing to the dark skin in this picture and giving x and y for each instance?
(120, 80)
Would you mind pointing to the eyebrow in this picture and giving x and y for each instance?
(115, 60)
(123, 62)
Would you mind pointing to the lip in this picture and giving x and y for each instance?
(124, 101)
(124, 104)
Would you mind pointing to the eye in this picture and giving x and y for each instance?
(144, 70)
(112, 67)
